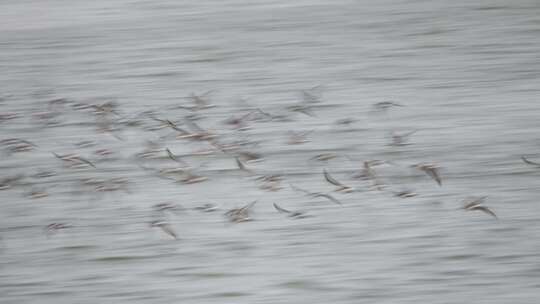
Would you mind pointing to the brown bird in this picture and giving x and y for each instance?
(432, 170)
(242, 214)
(476, 204)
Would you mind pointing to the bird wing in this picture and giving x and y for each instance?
(168, 230)
(525, 160)
(331, 180)
(434, 173)
(248, 206)
(327, 196)
(241, 165)
(485, 210)
(80, 159)
(300, 190)
(278, 208)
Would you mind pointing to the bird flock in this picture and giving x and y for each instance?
(182, 122)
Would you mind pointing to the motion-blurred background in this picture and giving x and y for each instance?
(284, 90)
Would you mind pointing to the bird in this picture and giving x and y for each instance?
(324, 156)
(192, 178)
(529, 162)
(162, 207)
(241, 214)
(165, 226)
(385, 105)
(432, 170)
(9, 182)
(401, 139)
(298, 138)
(476, 205)
(405, 193)
(54, 227)
(199, 102)
(316, 194)
(208, 207)
(241, 165)
(333, 181)
(174, 157)
(74, 159)
(293, 214)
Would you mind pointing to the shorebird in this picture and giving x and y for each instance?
(298, 138)
(385, 105)
(250, 157)
(401, 139)
(105, 108)
(293, 214)
(174, 157)
(345, 121)
(208, 207)
(316, 194)
(302, 108)
(242, 214)
(35, 193)
(166, 123)
(73, 159)
(192, 178)
(432, 170)
(476, 205)
(405, 194)
(529, 162)
(162, 207)
(9, 182)
(241, 165)
(54, 227)
(333, 181)
(165, 227)
(15, 145)
(197, 132)
(324, 156)
(306, 105)
(199, 102)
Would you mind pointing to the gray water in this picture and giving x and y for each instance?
(466, 72)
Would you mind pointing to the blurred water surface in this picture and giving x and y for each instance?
(468, 73)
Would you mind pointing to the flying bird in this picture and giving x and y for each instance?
(333, 181)
(165, 227)
(529, 162)
(317, 194)
(476, 205)
(432, 170)
(241, 214)
(293, 214)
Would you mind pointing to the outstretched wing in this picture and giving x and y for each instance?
(327, 196)
(434, 173)
(525, 160)
(331, 180)
(278, 208)
(168, 230)
(486, 210)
